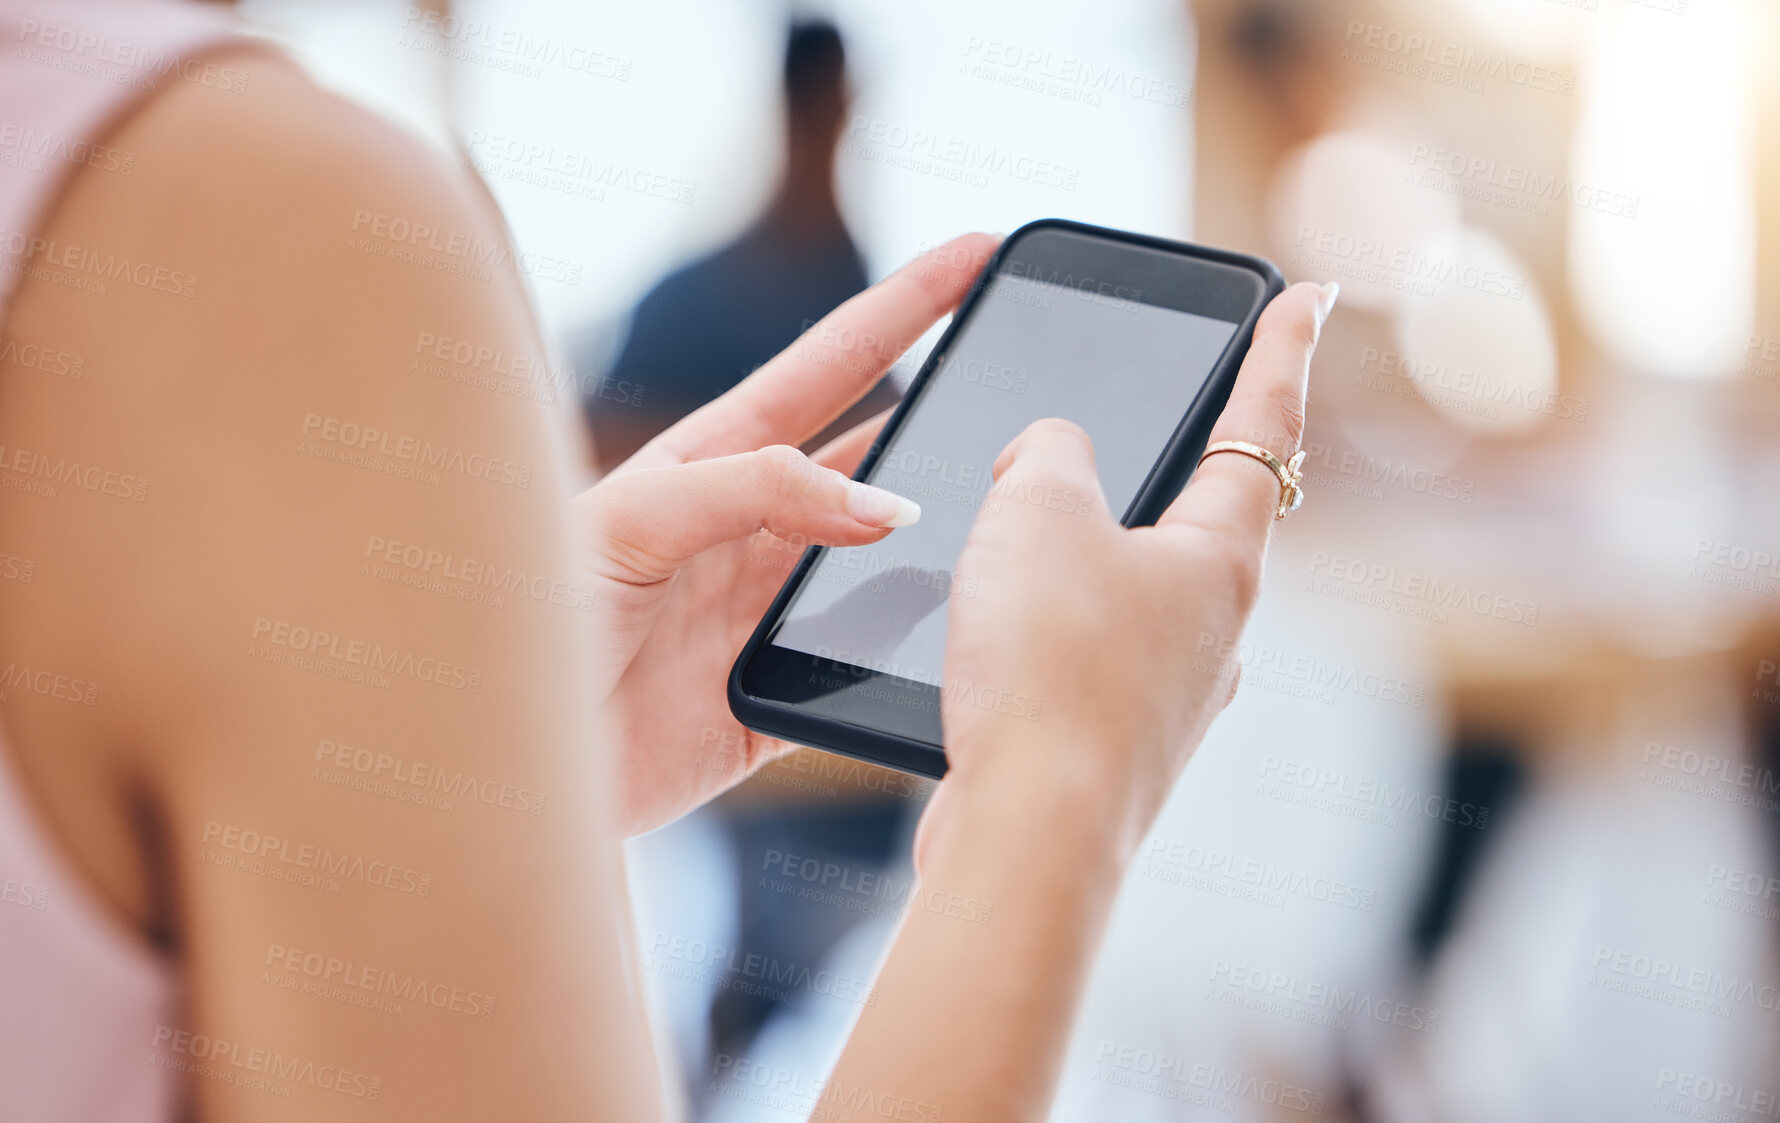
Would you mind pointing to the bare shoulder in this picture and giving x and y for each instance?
(277, 526)
(279, 153)
(283, 192)
(273, 285)
(261, 376)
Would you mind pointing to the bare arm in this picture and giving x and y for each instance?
(336, 680)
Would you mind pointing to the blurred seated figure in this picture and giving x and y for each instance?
(708, 325)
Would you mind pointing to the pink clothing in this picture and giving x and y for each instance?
(81, 999)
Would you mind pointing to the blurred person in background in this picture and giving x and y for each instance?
(694, 336)
(708, 325)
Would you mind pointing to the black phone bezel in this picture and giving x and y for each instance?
(893, 721)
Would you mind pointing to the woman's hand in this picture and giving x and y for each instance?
(1095, 656)
(685, 543)
(1079, 680)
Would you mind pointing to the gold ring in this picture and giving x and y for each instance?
(1291, 495)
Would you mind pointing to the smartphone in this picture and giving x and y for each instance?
(1136, 339)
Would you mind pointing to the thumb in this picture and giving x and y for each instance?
(644, 525)
(1047, 470)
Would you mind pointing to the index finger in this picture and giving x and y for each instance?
(832, 365)
(1237, 495)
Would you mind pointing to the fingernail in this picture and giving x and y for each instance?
(874, 506)
(1325, 301)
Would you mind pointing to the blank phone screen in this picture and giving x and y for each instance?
(1033, 347)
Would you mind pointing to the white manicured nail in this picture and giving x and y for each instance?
(874, 506)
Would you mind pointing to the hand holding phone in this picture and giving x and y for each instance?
(1038, 821)
(676, 566)
(1121, 639)
(1137, 340)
